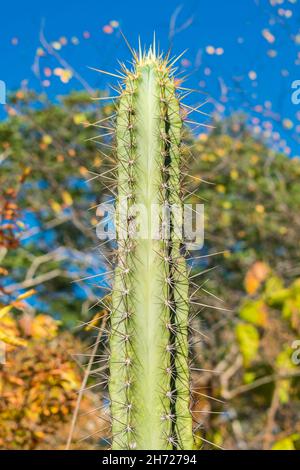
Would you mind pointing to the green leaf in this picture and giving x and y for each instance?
(248, 339)
(273, 285)
(254, 311)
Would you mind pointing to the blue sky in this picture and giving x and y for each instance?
(244, 54)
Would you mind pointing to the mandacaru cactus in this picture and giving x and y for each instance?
(149, 383)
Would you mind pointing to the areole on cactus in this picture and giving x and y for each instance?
(149, 383)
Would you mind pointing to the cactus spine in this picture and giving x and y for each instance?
(149, 375)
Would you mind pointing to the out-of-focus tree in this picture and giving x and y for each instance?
(252, 200)
(39, 384)
(39, 377)
(252, 213)
(52, 145)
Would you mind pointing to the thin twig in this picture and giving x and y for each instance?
(84, 382)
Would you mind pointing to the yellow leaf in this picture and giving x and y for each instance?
(27, 171)
(284, 391)
(13, 340)
(5, 310)
(260, 209)
(27, 294)
(55, 206)
(234, 175)
(221, 188)
(79, 118)
(67, 198)
(284, 444)
(227, 205)
(44, 327)
(95, 319)
(47, 139)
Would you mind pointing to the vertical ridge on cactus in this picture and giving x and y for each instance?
(149, 375)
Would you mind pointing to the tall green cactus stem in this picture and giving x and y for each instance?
(149, 376)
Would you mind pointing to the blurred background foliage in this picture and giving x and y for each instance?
(248, 272)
